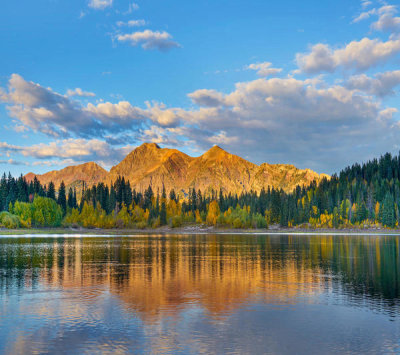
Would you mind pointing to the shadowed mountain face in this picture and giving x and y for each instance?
(151, 165)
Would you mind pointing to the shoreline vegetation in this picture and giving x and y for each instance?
(362, 197)
(195, 229)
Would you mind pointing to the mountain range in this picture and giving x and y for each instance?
(149, 164)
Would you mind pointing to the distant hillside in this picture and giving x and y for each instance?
(90, 173)
(151, 165)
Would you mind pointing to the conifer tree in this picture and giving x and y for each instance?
(70, 201)
(163, 211)
(62, 200)
(51, 191)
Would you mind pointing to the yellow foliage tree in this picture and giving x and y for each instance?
(213, 213)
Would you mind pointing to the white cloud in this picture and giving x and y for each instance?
(359, 55)
(382, 85)
(80, 92)
(208, 98)
(388, 113)
(308, 122)
(365, 3)
(364, 15)
(387, 20)
(70, 151)
(288, 120)
(150, 40)
(222, 139)
(132, 23)
(160, 135)
(161, 115)
(100, 4)
(122, 112)
(55, 162)
(44, 110)
(264, 69)
(41, 109)
(12, 162)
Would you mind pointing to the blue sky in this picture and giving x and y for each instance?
(310, 83)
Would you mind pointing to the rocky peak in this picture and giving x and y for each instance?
(214, 153)
(148, 146)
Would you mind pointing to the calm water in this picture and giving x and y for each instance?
(200, 294)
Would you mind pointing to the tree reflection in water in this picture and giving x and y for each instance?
(157, 277)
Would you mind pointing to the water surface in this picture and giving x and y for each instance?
(200, 294)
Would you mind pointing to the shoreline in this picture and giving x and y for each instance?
(196, 230)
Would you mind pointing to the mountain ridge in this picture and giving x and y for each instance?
(149, 164)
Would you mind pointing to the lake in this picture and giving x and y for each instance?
(191, 294)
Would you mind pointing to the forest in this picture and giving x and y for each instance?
(361, 196)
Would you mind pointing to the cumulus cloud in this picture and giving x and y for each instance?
(208, 98)
(100, 4)
(162, 115)
(120, 114)
(387, 20)
(70, 150)
(382, 85)
(160, 135)
(303, 121)
(308, 122)
(149, 40)
(264, 69)
(80, 92)
(46, 111)
(12, 162)
(41, 109)
(359, 55)
(123, 114)
(223, 139)
(56, 162)
(132, 23)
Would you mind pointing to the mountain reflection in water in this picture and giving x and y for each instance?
(205, 293)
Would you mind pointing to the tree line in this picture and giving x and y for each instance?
(361, 196)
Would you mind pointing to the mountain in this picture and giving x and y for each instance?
(90, 173)
(285, 176)
(151, 165)
(219, 169)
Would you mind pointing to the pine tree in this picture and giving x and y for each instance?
(62, 200)
(388, 213)
(51, 191)
(74, 204)
(70, 198)
(172, 196)
(163, 211)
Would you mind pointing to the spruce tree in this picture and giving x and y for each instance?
(62, 199)
(163, 211)
(51, 191)
(70, 198)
